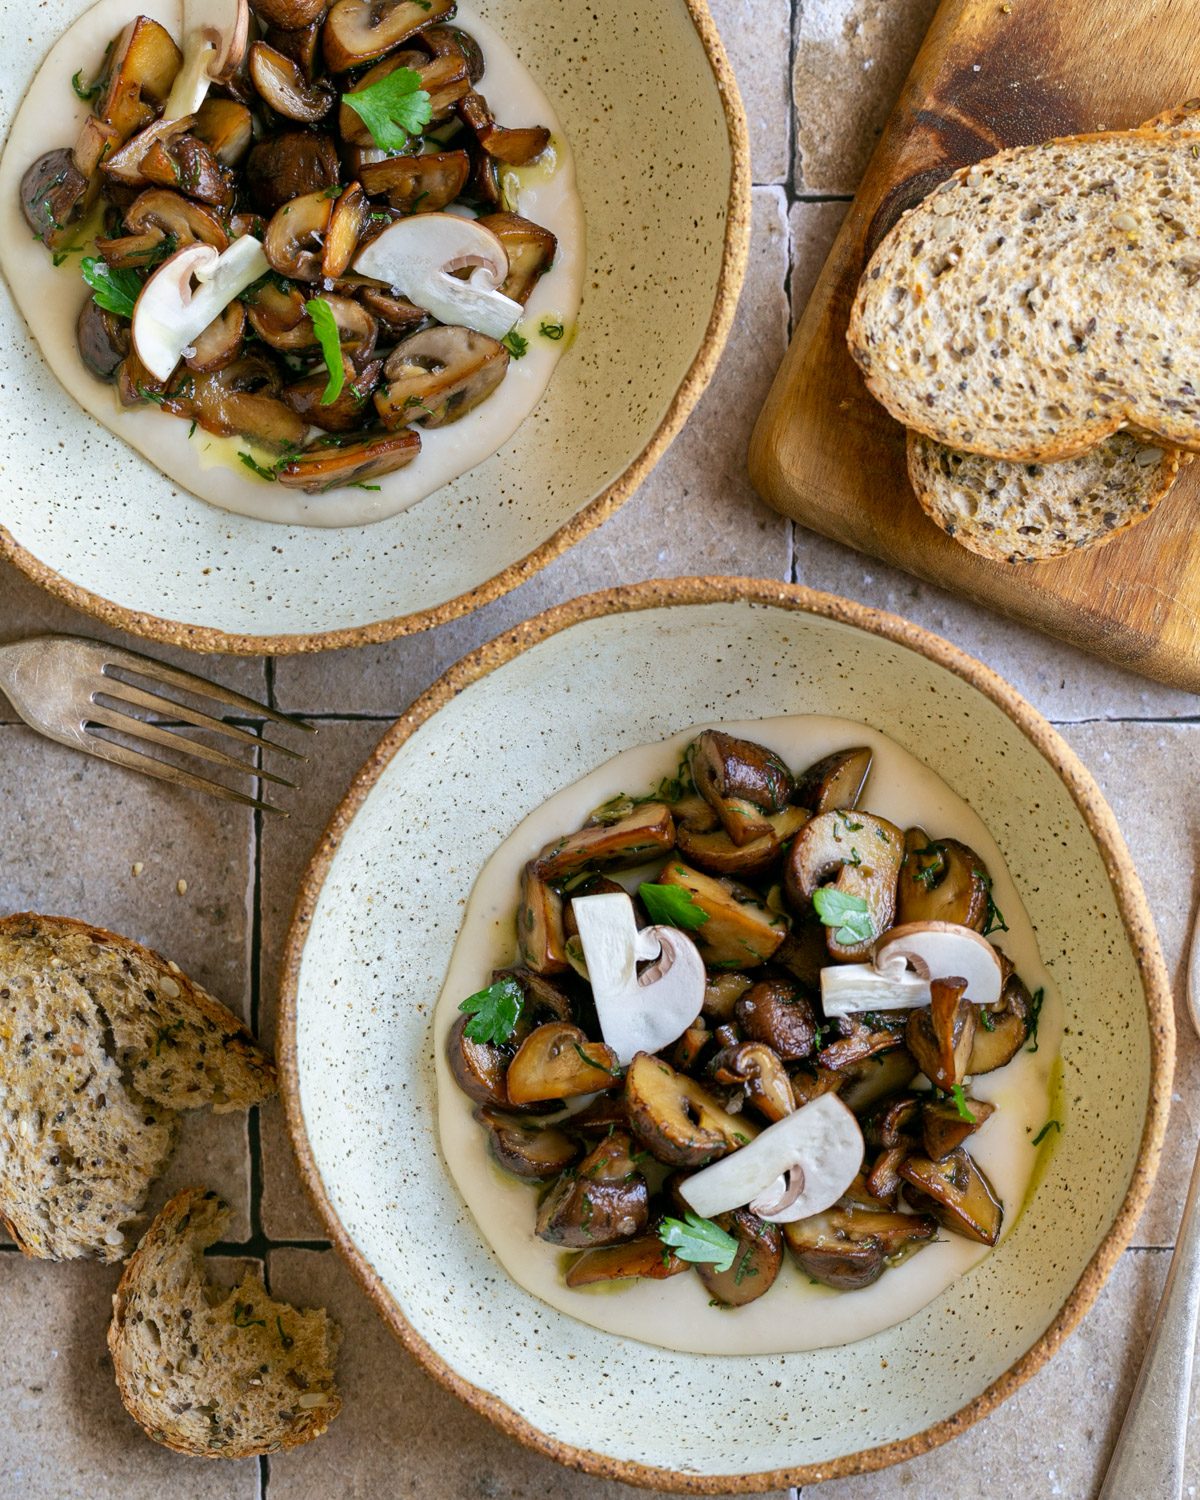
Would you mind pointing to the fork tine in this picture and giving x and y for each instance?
(134, 661)
(138, 729)
(173, 710)
(121, 755)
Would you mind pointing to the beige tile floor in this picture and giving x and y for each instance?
(818, 78)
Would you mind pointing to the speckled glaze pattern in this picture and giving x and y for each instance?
(377, 917)
(664, 173)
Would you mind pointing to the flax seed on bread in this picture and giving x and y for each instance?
(212, 1374)
(102, 1044)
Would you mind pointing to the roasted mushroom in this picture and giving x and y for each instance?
(142, 67)
(604, 1201)
(540, 924)
(479, 1068)
(220, 343)
(775, 1012)
(835, 782)
(849, 1248)
(516, 148)
(864, 853)
(864, 1083)
(439, 375)
(418, 184)
(647, 831)
(242, 399)
(1001, 1030)
(755, 1266)
(717, 853)
(289, 166)
(534, 1152)
(281, 82)
(55, 195)
(754, 1067)
(957, 1194)
(945, 1124)
(678, 1121)
(530, 249)
(739, 930)
(644, 1258)
(556, 1061)
(940, 1037)
(290, 14)
(185, 163)
(741, 781)
(345, 412)
(722, 993)
(942, 881)
(359, 31)
(103, 340)
(296, 235)
(226, 128)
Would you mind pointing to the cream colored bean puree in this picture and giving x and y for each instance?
(50, 298)
(794, 1314)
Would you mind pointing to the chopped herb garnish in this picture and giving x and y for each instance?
(516, 344)
(592, 1063)
(986, 1019)
(960, 1104)
(86, 91)
(284, 1338)
(252, 463)
(114, 291)
(995, 917)
(494, 1012)
(243, 1316)
(1045, 1131)
(394, 109)
(361, 486)
(1035, 1017)
(672, 906)
(158, 397)
(744, 1268)
(698, 1240)
(551, 330)
(192, 430)
(848, 915)
(325, 325)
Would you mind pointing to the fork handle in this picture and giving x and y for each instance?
(1147, 1463)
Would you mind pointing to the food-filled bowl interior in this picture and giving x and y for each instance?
(368, 960)
(658, 148)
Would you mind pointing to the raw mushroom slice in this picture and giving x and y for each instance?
(418, 257)
(795, 1168)
(906, 959)
(169, 315)
(638, 1012)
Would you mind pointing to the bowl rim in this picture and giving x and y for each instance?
(1123, 878)
(735, 254)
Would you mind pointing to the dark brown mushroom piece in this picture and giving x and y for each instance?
(395, 315)
(453, 41)
(940, 1036)
(722, 993)
(535, 1153)
(804, 952)
(896, 1118)
(289, 166)
(739, 931)
(515, 148)
(103, 340)
(741, 781)
(945, 1125)
(883, 1181)
(1001, 1030)
(775, 1012)
(332, 461)
(55, 195)
(605, 1113)
(220, 343)
(863, 1040)
(176, 219)
(942, 880)
(755, 1068)
(345, 413)
(484, 186)
(957, 1193)
(302, 44)
(290, 14)
(678, 1121)
(809, 1082)
(141, 69)
(418, 184)
(438, 375)
(603, 1201)
(243, 400)
(850, 1248)
(540, 934)
(836, 781)
(359, 31)
(865, 1083)
(644, 1258)
(648, 831)
(187, 165)
(691, 811)
(556, 1061)
(296, 236)
(717, 853)
(530, 250)
(479, 1068)
(95, 143)
(862, 854)
(124, 166)
(756, 1263)
(282, 84)
(136, 385)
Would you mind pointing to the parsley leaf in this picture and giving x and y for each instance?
(251, 463)
(672, 906)
(960, 1104)
(1035, 1016)
(995, 917)
(552, 330)
(330, 339)
(495, 1011)
(114, 291)
(850, 915)
(699, 1240)
(516, 344)
(393, 109)
(1045, 1131)
(83, 90)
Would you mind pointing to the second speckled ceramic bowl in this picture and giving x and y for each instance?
(376, 920)
(648, 101)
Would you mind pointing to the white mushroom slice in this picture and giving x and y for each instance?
(797, 1167)
(170, 314)
(906, 959)
(417, 257)
(646, 1012)
(215, 33)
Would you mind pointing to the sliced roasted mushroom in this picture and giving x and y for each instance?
(756, 1068)
(717, 853)
(603, 1201)
(804, 952)
(834, 782)
(419, 258)
(864, 853)
(942, 881)
(678, 1121)
(103, 340)
(863, 1083)
(535, 1152)
(645, 1257)
(556, 1061)
(242, 400)
(741, 780)
(722, 993)
(883, 1181)
(125, 165)
(220, 343)
(893, 1119)
(849, 1248)
(289, 166)
(173, 218)
(186, 164)
(418, 184)
(94, 145)
(281, 82)
(957, 1193)
(479, 1068)
(940, 1038)
(540, 933)
(214, 48)
(530, 250)
(646, 832)
(439, 375)
(863, 1041)
(346, 225)
(690, 1047)
(444, 78)
(396, 315)
(1002, 1029)
(226, 128)
(755, 1265)
(945, 1125)
(296, 235)
(300, 43)
(143, 65)
(740, 930)
(516, 148)
(810, 1082)
(358, 31)
(345, 412)
(606, 1112)
(290, 14)
(453, 41)
(55, 195)
(278, 314)
(329, 462)
(775, 1012)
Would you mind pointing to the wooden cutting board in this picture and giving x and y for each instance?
(992, 73)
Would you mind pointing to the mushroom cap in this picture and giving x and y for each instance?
(941, 950)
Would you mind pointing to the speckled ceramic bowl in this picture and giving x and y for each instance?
(648, 100)
(376, 920)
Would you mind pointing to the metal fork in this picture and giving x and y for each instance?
(55, 683)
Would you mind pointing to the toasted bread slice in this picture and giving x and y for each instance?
(1039, 301)
(1016, 513)
(210, 1374)
(102, 1043)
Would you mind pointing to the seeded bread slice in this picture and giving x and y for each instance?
(1017, 513)
(1040, 300)
(211, 1374)
(102, 1043)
